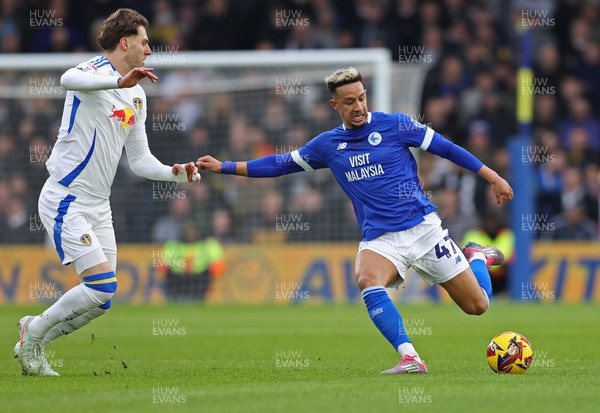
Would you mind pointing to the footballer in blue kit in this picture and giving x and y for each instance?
(369, 155)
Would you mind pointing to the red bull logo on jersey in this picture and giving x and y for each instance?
(125, 116)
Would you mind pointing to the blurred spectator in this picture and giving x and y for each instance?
(191, 263)
(580, 116)
(587, 71)
(171, 227)
(571, 225)
(457, 222)
(549, 181)
(574, 192)
(580, 152)
(16, 228)
(310, 218)
(375, 26)
(217, 27)
(271, 223)
(546, 112)
(222, 226)
(164, 24)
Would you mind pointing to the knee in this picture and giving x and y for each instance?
(476, 307)
(367, 279)
(103, 285)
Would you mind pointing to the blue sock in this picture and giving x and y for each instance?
(385, 315)
(483, 276)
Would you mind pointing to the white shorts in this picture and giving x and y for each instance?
(80, 227)
(426, 247)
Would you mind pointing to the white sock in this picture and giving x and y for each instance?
(67, 327)
(478, 256)
(408, 348)
(78, 300)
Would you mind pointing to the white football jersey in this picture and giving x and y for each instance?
(95, 127)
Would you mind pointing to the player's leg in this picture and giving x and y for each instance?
(75, 242)
(106, 236)
(373, 273)
(467, 283)
(472, 288)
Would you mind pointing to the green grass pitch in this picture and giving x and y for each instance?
(305, 358)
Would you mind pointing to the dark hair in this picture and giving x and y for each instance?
(122, 23)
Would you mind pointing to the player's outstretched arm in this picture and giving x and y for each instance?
(440, 146)
(501, 188)
(266, 167)
(79, 80)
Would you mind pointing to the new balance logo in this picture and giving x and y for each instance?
(458, 259)
(376, 312)
(342, 145)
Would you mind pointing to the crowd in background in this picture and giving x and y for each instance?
(468, 96)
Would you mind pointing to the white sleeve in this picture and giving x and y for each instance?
(144, 164)
(76, 79)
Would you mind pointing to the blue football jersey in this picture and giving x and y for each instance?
(375, 168)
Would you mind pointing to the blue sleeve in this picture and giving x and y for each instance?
(410, 131)
(306, 158)
(441, 146)
(272, 166)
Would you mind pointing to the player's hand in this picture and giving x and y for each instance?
(135, 75)
(502, 190)
(189, 169)
(208, 163)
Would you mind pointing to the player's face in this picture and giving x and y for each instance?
(138, 48)
(350, 101)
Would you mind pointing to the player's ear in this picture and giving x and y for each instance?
(124, 43)
(333, 104)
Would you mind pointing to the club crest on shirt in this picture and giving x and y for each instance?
(86, 239)
(375, 138)
(137, 104)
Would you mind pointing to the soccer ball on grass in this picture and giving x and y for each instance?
(509, 352)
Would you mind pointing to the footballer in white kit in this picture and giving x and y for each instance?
(104, 112)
